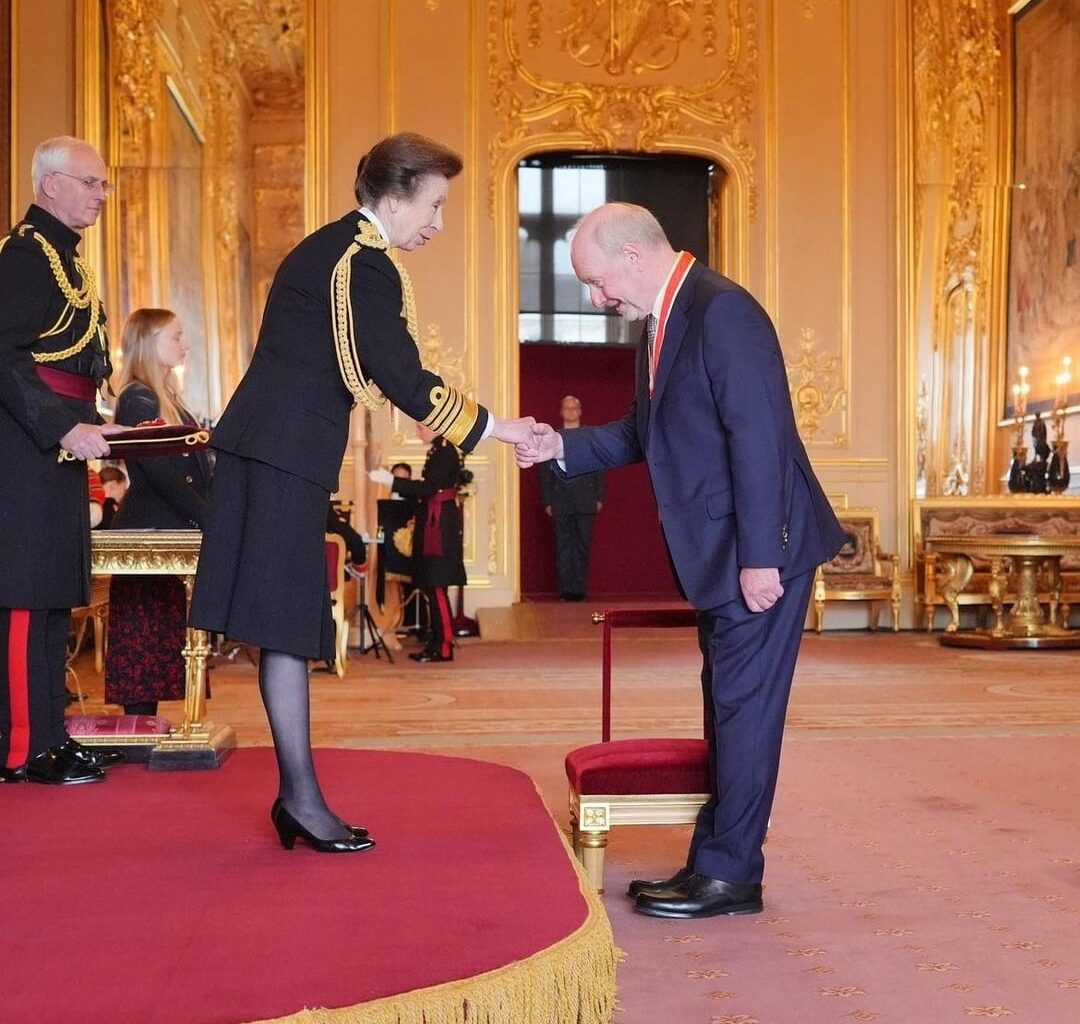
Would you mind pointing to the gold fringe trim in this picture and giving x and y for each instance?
(571, 982)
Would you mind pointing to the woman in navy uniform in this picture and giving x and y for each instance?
(438, 556)
(339, 328)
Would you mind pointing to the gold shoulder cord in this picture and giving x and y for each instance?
(76, 298)
(452, 415)
(341, 313)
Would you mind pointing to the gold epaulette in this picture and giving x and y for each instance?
(83, 297)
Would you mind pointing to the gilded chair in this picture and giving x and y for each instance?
(335, 575)
(861, 571)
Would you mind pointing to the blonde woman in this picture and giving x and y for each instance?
(143, 664)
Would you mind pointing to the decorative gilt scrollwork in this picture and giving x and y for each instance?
(134, 66)
(493, 539)
(626, 40)
(626, 35)
(817, 390)
(959, 83)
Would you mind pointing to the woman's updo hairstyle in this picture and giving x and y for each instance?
(395, 166)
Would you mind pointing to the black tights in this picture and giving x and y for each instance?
(283, 683)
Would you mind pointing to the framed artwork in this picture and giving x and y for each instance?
(1043, 302)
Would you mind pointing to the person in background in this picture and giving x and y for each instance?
(403, 470)
(572, 505)
(147, 614)
(337, 522)
(438, 547)
(53, 358)
(107, 488)
(114, 481)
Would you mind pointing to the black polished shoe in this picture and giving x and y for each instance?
(94, 758)
(701, 896)
(357, 830)
(56, 767)
(640, 885)
(425, 656)
(289, 830)
(13, 774)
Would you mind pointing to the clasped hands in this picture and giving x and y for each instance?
(533, 442)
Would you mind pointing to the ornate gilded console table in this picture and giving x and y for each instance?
(195, 743)
(1015, 559)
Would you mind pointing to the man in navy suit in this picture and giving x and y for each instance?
(743, 515)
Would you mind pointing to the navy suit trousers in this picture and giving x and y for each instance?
(748, 663)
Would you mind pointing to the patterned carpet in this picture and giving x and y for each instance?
(924, 858)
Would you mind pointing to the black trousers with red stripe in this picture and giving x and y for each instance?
(33, 652)
(442, 632)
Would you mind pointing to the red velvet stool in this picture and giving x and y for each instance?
(662, 781)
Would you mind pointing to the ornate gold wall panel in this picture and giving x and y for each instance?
(959, 122)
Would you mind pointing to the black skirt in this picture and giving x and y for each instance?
(262, 566)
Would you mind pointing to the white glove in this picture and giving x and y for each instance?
(381, 476)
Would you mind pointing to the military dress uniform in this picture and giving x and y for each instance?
(438, 546)
(53, 357)
(339, 328)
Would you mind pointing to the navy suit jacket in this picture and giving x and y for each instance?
(732, 479)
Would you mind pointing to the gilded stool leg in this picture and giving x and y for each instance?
(593, 845)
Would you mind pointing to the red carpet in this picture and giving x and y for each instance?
(164, 898)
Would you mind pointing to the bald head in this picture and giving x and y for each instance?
(621, 253)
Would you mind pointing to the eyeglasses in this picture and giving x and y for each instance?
(90, 183)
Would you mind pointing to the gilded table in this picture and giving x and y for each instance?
(1015, 563)
(195, 743)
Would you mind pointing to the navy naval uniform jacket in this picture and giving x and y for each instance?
(336, 330)
(45, 515)
(734, 489)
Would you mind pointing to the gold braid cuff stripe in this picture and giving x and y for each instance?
(453, 415)
(365, 391)
(76, 298)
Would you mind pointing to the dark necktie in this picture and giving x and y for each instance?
(650, 334)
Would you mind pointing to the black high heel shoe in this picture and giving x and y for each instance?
(357, 830)
(289, 830)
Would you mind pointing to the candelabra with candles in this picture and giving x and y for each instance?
(1058, 474)
(1017, 475)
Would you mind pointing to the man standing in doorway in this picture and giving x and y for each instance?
(572, 505)
(743, 515)
(53, 358)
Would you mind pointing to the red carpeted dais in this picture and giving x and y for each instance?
(165, 898)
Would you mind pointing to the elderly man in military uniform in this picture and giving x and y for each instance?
(53, 358)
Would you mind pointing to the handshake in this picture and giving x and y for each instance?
(533, 442)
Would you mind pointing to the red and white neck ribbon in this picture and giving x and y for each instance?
(678, 275)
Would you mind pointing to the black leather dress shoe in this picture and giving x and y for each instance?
(640, 885)
(56, 767)
(425, 656)
(94, 758)
(701, 896)
(13, 774)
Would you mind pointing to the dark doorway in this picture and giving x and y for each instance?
(570, 348)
